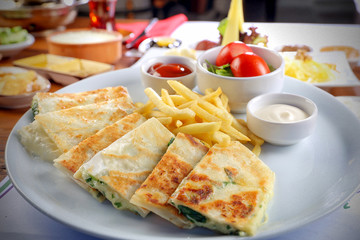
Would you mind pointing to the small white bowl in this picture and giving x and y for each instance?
(281, 133)
(241, 89)
(9, 50)
(157, 83)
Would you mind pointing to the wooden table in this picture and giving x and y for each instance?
(8, 118)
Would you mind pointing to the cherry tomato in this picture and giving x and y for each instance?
(231, 51)
(249, 65)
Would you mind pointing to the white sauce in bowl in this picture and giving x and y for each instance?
(281, 113)
(81, 37)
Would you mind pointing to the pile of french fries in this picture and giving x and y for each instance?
(206, 117)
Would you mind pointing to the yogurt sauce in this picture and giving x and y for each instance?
(81, 37)
(281, 113)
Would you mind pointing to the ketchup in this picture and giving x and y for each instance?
(171, 70)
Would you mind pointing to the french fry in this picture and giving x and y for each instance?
(206, 117)
(187, 104)
(166, 98)
(178, 100)
(232, 132)
(165, 120)
(257, 150)
(225, 102)
(214, 97)
(139, 105)
(178, 123)
(190, 95)
(197, 128)
(221, 138)
(146, 108)
(168, 110)
(211, 95)
(155, 114)
(203, 114)
(241, 126)
(182, 90)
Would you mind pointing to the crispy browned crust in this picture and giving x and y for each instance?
(230, 185)
(174, 166)
(68, 100)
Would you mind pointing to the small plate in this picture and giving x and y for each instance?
(63, 70)
(8, 50)
(344, 76)
(22, 100)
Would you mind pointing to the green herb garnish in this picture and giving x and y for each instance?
(271, 67)
(192, 215)
(118, 204)
(35, 107)
(230, 176)
(171, 141)
(224, 70)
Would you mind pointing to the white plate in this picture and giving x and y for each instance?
(314, 177)
(22, 100)
(8, 50)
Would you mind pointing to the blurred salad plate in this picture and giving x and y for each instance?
(14, 40)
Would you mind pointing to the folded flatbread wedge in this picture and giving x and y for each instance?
(54, 133)
(120, 169)
(227, 191)
(71, 161)
(180, 158)
(44, 102)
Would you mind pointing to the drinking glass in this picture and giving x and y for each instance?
(102, 14)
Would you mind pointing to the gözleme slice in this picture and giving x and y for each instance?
(180, 158)
(227, 191)
(119, 170)
(44, 102)
(71, 161)
(54, 133)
